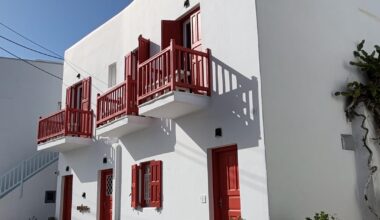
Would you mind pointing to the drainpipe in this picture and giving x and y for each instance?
(118, 171)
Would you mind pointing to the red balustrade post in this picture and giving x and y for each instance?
(92, 122)
(172, 62)
(98, 109)
(66, 122)
(209, 69)
(127, 93)
(39, 130)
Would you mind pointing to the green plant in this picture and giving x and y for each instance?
(322, 216)
(367, 93)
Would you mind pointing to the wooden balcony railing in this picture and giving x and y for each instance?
(120, 100)
(174, 68)
(67, 122)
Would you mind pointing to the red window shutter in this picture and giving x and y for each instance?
(144, 49)
(156, 184)
(195, 22)
(135, 186)
(128, 65)
(68, 96)
(86, 96)
(170, 30)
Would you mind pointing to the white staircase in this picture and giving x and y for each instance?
(24, 170)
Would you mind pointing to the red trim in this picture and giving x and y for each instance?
(135, 202)
(138, 182)
(216, 182)
(122, 98)
(67, 197)
(155, 183)
(67, 122)
(171, 30)
(143, 49)
(170, 70)
(105, 202)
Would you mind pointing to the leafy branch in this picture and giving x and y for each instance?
(322, 216)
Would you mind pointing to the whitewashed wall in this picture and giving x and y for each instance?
(30, 202)
(305, 47)
(26, 93)
(183, 144)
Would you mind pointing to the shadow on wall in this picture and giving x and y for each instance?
(154, 48)
(85, 162)
(149, 142)
(361, 158)
(234, 107)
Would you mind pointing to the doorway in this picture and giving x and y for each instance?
(67, 197)
(106, 191)
(226, 187)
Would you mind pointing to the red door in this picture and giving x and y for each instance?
(67, 197)
(106, 194)
(226, 183)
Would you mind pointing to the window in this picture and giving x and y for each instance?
(187, 34)
(50, 197)
(146, 184)
(111, 75)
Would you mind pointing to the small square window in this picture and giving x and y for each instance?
(50, 197)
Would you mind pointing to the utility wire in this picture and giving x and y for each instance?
(28, 48)
(37, 51)
(26, 61)
(7, 27)
(39, 68)
(70, 64)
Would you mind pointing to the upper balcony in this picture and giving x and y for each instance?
(65, 130)
(174, 82)
(117, 111)
(72, 127)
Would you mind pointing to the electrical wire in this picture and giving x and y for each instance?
(39, 68)
(31, 49)
(26, 61)
(70, 64)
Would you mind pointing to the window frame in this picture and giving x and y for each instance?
(143, 167)
(141, 185)
(112, 75)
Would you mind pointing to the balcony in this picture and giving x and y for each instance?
(65, 130)
(174, 82)
(117, 111)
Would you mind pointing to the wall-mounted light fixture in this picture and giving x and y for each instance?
(104, 160)
(218, 132)
(67, 168)
(186, 3)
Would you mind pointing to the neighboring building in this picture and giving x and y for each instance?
(305, 49)
(170, 124)
(26, 175)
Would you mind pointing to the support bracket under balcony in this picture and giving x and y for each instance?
(65, 143)
(124, 125)
(174, 104)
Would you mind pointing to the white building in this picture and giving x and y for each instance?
(181, 135)
(26, 176)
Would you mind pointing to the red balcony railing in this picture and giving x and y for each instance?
(67, 122)
(120, 100)
(174, 68)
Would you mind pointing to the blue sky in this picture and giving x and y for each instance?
(55, 24)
